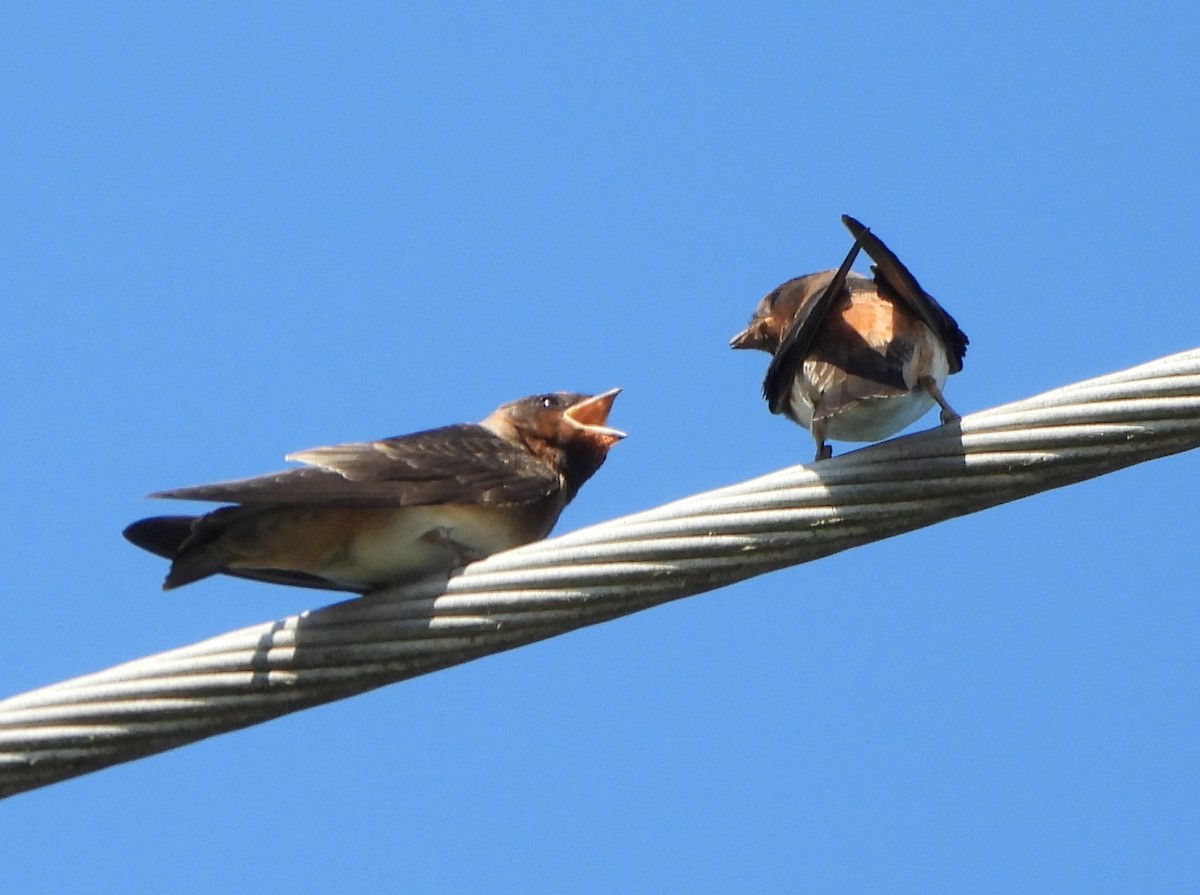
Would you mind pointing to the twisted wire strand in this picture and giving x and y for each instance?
(599, 573)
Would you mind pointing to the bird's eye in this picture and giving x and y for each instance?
(549, 401)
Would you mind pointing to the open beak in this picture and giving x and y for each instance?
(591, 414)
(750, 337)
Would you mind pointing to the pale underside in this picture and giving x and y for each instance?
(376, 545)
(868, 419)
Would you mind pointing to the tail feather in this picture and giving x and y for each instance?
(192, 565)
(173, 538)
(161, 535)
(187, 542)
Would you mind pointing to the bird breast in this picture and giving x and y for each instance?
(878, 325)
(412, 543)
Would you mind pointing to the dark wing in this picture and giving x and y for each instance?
(804, 327)
(463, 464)
(846, 370)
(891, 274)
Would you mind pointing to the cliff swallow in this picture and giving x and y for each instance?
(359, 517)
(855, 359)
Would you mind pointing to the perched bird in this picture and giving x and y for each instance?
(358, 517)
(855, 359)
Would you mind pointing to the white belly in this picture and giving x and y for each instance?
(875, 419)
(416, 544)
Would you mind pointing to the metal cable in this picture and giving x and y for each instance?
(599, 573)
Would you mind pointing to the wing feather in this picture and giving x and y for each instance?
(795, 345)
(461, 464)
(893, 276)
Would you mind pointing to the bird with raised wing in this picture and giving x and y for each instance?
(855, 358)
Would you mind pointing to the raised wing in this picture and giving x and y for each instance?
(804, 327)
(893, 276)
(461, 464)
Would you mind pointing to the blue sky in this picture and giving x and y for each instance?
(235, 230)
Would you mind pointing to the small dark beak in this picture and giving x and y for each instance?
(591, 414)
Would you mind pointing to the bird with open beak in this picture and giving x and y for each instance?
(855, 359)
(359, 517)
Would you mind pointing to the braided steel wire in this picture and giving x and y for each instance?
(602, 572)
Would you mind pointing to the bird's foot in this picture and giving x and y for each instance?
(948, 414)
(463, 554)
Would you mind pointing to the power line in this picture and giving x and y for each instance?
(602, 572)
